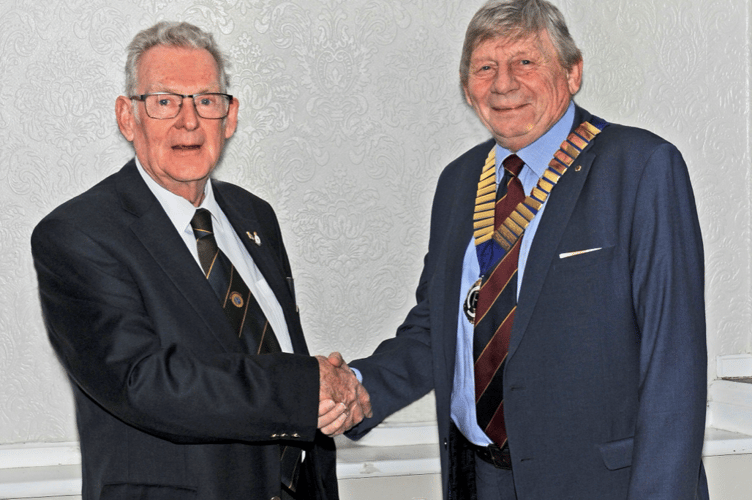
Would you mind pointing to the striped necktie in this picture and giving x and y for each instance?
(497, 302)
(245, 316)
(239, 304)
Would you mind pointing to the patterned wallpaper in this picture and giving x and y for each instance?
(349, 110)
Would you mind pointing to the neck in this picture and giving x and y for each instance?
(195, 196)
(191, 191)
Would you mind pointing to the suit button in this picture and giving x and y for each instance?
(295, 435)
(446, 443)
(275, 498)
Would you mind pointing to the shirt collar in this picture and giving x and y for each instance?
(538, 155)
(178, 209)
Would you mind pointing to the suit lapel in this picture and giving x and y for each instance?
(156, 232)
(244, 222)
(551, 228)
(458, 231)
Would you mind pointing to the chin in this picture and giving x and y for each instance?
(512, 135)
(188, 173)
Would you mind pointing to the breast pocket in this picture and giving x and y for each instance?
(579, 259)
(577, 288)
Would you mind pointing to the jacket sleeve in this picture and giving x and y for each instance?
(421, 355)
(666, 260)
(401, 370)
(100, 321)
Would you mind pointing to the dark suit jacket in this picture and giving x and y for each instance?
(605, 380)
(168, 402)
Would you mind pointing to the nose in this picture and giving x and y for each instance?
(504, 81)
(188, 117)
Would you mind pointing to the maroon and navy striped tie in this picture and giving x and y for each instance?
(494, 315)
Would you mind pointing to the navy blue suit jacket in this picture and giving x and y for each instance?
(169, 403)
(605, 380)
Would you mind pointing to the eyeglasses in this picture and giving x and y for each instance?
(166, 105)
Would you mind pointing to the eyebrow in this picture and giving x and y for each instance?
(158, 87)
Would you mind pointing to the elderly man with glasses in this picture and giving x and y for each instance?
(169, 299)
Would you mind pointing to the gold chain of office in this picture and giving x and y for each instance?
(514, 226)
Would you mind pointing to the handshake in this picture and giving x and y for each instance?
(343, 401)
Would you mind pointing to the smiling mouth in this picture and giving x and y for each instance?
(502, 109)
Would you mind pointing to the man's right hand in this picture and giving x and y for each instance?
(343, 401)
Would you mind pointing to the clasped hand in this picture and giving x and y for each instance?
(343, 401)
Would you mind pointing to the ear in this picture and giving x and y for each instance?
(574, 78)
(125, 118)
(467, 95)
(231, 122)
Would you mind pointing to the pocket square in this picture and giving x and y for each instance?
(578, 252)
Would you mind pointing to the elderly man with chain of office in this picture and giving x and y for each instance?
(169, 300)
(560, 316)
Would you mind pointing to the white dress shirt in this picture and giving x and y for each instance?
(181, 211)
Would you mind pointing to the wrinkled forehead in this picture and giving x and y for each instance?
(167, 65)
(515, 42)
(508, 36)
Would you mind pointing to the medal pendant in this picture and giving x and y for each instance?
(471, 301)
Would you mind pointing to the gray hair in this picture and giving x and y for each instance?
(516, 19)
(172, 34)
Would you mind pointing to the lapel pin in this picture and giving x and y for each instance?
(254, 237)
(578, 168)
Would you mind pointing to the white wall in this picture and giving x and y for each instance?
(349, 110)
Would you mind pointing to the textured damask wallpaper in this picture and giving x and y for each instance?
(349, 110)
